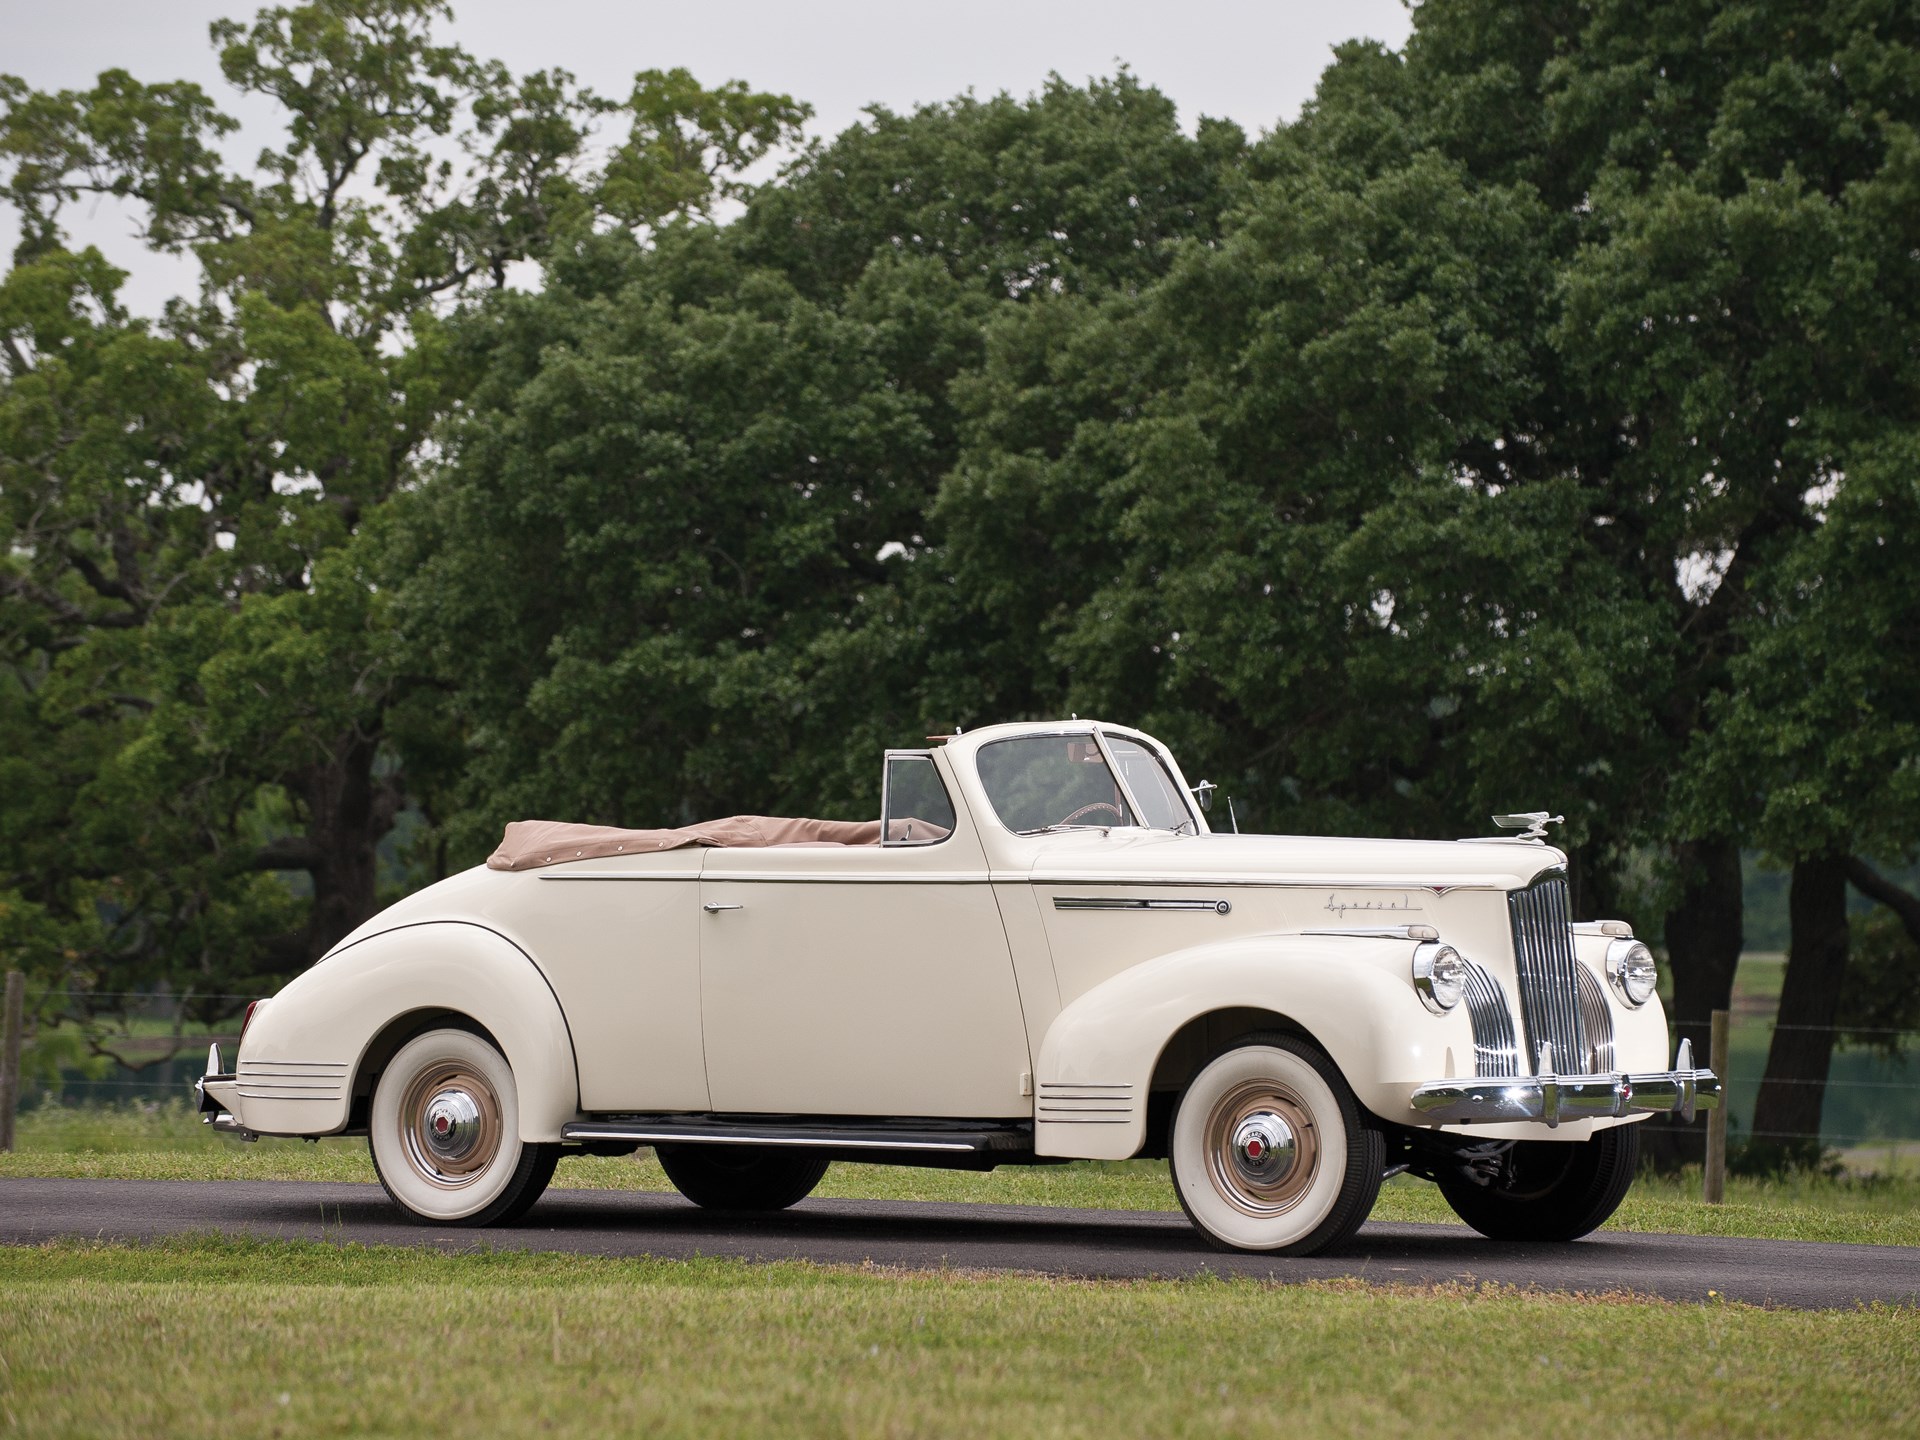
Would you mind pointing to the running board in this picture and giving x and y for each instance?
(931, 1138)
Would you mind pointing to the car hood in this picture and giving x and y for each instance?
(1155, 855)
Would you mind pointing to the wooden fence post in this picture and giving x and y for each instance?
(1714, 1182)
(10, 1055)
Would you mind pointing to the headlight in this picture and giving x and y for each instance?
(1631, 970)
(1440, 975)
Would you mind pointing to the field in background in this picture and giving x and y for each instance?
(216, 1338)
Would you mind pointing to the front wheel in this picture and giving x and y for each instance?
(1270, 1151)
(445, 1134)
(729, 1177)
(1549, 1190)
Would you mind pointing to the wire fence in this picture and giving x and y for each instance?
(1865, 1093)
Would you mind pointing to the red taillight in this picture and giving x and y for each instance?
(252, 1005)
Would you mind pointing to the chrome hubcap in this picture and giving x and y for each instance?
(450, 1125)
(1263, 1148)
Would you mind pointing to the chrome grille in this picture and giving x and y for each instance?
(1598, 1019)
(1549, 983)
(1495, 1052)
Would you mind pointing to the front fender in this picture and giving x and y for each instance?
(302, 1056)
(1354, 995)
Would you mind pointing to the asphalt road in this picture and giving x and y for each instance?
(1094, 1243)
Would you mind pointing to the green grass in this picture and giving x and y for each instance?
(224, 1337)
(166, 1142)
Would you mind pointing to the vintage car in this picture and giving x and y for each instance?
(1039, 952)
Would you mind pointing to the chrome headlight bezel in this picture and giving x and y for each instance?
(1632, 972)
(1439, 977)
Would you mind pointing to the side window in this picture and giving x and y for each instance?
(914, 805)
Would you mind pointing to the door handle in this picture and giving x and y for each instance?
(714, 907)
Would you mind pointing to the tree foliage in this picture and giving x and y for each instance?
(1529, 423)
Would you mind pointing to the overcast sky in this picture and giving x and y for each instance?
(1250, 62)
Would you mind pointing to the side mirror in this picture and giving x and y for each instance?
(1203, 792)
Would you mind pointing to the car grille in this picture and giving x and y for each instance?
(1550, 1000)
(1496, 1053)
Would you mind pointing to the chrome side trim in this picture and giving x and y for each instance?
(804, 1138)
(1099, 902)
(622, 875)
(1423, 933)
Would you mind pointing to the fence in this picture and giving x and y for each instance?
(1871, 1106)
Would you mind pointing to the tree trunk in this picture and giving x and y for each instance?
(350, 809)
(1704, 935)
(1787, 1114)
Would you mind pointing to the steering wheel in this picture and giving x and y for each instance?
(1118, 818)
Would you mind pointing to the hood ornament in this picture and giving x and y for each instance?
(1533, 822)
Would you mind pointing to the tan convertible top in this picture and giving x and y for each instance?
(529, 844)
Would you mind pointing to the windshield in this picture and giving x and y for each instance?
(1039, 781)
(1044, 782)
(1161, 804)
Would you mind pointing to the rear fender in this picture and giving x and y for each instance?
(304, 1054)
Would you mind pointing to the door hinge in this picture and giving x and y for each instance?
(1026, 1082)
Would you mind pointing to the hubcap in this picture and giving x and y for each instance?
(450, 1125)
(1262, 1148)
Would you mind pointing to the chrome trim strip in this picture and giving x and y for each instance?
(1096, 902)
(1425, 933)
(729, 877)
(649, 1136)
(246, 1094)
(622, 875)
(1283, 882)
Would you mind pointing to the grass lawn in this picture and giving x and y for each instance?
(220, 1337)
(167, 1142)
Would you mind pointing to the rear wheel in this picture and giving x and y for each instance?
(445, 1134)
(1549, 1190)
(1270, 1152)
(739, 1177)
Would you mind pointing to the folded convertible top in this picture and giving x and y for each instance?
(529, 844)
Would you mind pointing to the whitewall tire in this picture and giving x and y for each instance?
(1270, 1151)
(445, 1133)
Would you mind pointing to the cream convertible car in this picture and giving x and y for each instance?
(1039, 952)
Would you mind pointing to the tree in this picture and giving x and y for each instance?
(199, 684)
(672, 566)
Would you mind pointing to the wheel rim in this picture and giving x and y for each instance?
(450, 1125)
(1262, 1148)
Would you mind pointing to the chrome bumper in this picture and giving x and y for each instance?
(1553, 1098)
(211, 1095)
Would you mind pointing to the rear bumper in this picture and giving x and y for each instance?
(1553, 1098)
(215, 1097)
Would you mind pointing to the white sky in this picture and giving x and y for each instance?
(1239, 59)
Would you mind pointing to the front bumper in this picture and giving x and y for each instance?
(1553, 1098)
(214, 1094)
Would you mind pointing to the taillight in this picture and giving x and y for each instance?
(252, 1005)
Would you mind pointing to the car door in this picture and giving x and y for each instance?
(863, 979)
